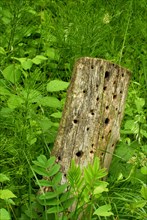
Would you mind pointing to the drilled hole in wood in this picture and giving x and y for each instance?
(65, 174)
(107, 74)
(112, 145)
(105, 87)
(92, 112)
(102, 137)
(75, 121)
(116, 109)
(97, 85)
(122, 74)
(114, 82)
(119, 113)
(87, 129)
(107, 121)
(102, 154)
(114, 96)
(92, 67)
(120, 92)
(109, 131)
(107, 106)
(84, 91)
(97, 99)
(91, 151)
(59, 158)
(79, 153)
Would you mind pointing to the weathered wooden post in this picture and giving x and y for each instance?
(92, 114)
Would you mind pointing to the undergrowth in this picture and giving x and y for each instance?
(39, 43)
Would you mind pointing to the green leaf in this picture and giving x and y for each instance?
(56, 115)
(44, 183)
(50, 202)
(55, 209)
(42, 159)
(12, 73)
(57, 85)
(68, 203)
(96, 164)
(140, 102)
(101, 188)
(40, 170)
(2, 51)
(15, 101)
(51, 161)
(38, 59)
(25, 62)
(144, 170)
(103, 211)
(50, 102)
(31, 95)
(3, 178)
(45, 123)
(4, 214)
(6, 194)
(4, 91)
(57, 178)
(143, 191)
(55, 168)
(48, 195)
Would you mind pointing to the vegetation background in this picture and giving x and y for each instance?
(39, 43)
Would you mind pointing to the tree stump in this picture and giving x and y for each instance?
(92, 114)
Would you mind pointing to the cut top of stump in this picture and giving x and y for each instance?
(92, 114)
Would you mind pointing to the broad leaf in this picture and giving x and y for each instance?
(12, 73)
(50, 102)
(3, 178)
(6, 194)
(57, 85)
(103, 211)
(4, 214)
(38, 59)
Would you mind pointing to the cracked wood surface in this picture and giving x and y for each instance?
(92, 114)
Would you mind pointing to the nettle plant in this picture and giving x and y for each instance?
(81, 197)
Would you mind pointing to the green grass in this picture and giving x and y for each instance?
(60, 32)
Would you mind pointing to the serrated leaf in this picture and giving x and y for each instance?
(50, 102)
(12, 73)
(6, 194)
(3, 178)
(4, 214)
(103, 211)
(45, 123)
(57, 85)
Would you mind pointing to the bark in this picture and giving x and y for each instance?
(92, 114)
